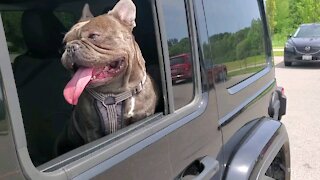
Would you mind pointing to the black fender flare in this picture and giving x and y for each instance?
(253, 157)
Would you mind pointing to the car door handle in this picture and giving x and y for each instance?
(200, 169)
(210, 168)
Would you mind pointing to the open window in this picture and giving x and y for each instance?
(34, 33)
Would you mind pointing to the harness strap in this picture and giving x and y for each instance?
(110, 106)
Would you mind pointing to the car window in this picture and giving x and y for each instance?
(179, 51)
(34, 40)
(237, 41)
(40, 77)
(308, 31)
(177, 60)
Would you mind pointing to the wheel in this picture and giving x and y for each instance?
(277, 170)
(286, 63)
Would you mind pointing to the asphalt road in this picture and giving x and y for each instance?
(302, 88)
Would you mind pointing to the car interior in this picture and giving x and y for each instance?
(34, 32)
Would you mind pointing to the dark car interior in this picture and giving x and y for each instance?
(40, 78)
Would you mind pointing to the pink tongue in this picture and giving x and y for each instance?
(76, 85)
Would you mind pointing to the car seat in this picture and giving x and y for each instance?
(40, 79)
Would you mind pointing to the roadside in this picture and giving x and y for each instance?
(302, 83)
(277, 51)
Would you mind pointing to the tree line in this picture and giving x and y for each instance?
(227, 46)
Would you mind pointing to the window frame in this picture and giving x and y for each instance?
(105, 156)
(190, 14)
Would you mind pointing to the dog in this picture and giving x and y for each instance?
(110, 87)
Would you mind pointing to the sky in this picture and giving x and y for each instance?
(222, 16)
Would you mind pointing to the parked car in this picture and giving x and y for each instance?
(304, 45)
(201, 130)
(181, 67)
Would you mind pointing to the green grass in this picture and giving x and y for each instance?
(278, 40)
(250, 61)
(245, 71)
(277, 53)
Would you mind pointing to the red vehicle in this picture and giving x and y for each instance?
(181, 67)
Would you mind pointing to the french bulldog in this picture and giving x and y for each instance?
(106, 61)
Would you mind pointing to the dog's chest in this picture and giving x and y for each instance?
(116, 116)
(111, 116)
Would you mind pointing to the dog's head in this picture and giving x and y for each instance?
(102, 52)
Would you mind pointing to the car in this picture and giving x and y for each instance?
(181, 67)
(303, 46)
(204, 129)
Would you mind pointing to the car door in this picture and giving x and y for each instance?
(241, 43)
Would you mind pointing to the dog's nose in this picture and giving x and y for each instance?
(72, 48)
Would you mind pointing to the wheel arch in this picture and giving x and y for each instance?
(253, 156)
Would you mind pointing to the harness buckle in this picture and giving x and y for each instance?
(109, 100)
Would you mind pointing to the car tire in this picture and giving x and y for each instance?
(286, 63)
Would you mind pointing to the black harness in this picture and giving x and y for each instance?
(111, 107)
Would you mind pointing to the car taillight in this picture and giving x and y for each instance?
(186, 67)
(282, 90)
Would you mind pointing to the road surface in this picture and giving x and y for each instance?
(302, 88)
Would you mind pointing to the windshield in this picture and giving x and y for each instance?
(308, 31)
(178, 60)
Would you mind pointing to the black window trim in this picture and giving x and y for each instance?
(114, 152)
(194, 52)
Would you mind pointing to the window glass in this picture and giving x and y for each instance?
(236, 42)
(179, 51)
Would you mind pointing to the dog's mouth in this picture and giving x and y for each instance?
(92, 76)
(110, 70)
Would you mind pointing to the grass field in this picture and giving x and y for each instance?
(245, 66)
(246, 71)
(250, 61)
(277, 53)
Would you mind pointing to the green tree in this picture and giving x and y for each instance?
(308, 10)
(175, 48)
(283, 19)
(272, 11)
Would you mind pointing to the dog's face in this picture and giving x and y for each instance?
(100, 49)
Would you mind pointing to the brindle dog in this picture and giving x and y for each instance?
(110, 87)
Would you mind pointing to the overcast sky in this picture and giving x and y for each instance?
(222, 16)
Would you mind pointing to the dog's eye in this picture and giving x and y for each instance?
(93, 36)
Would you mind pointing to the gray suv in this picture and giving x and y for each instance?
(202, 128)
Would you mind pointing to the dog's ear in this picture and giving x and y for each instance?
(86, 13)
(125, 11)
